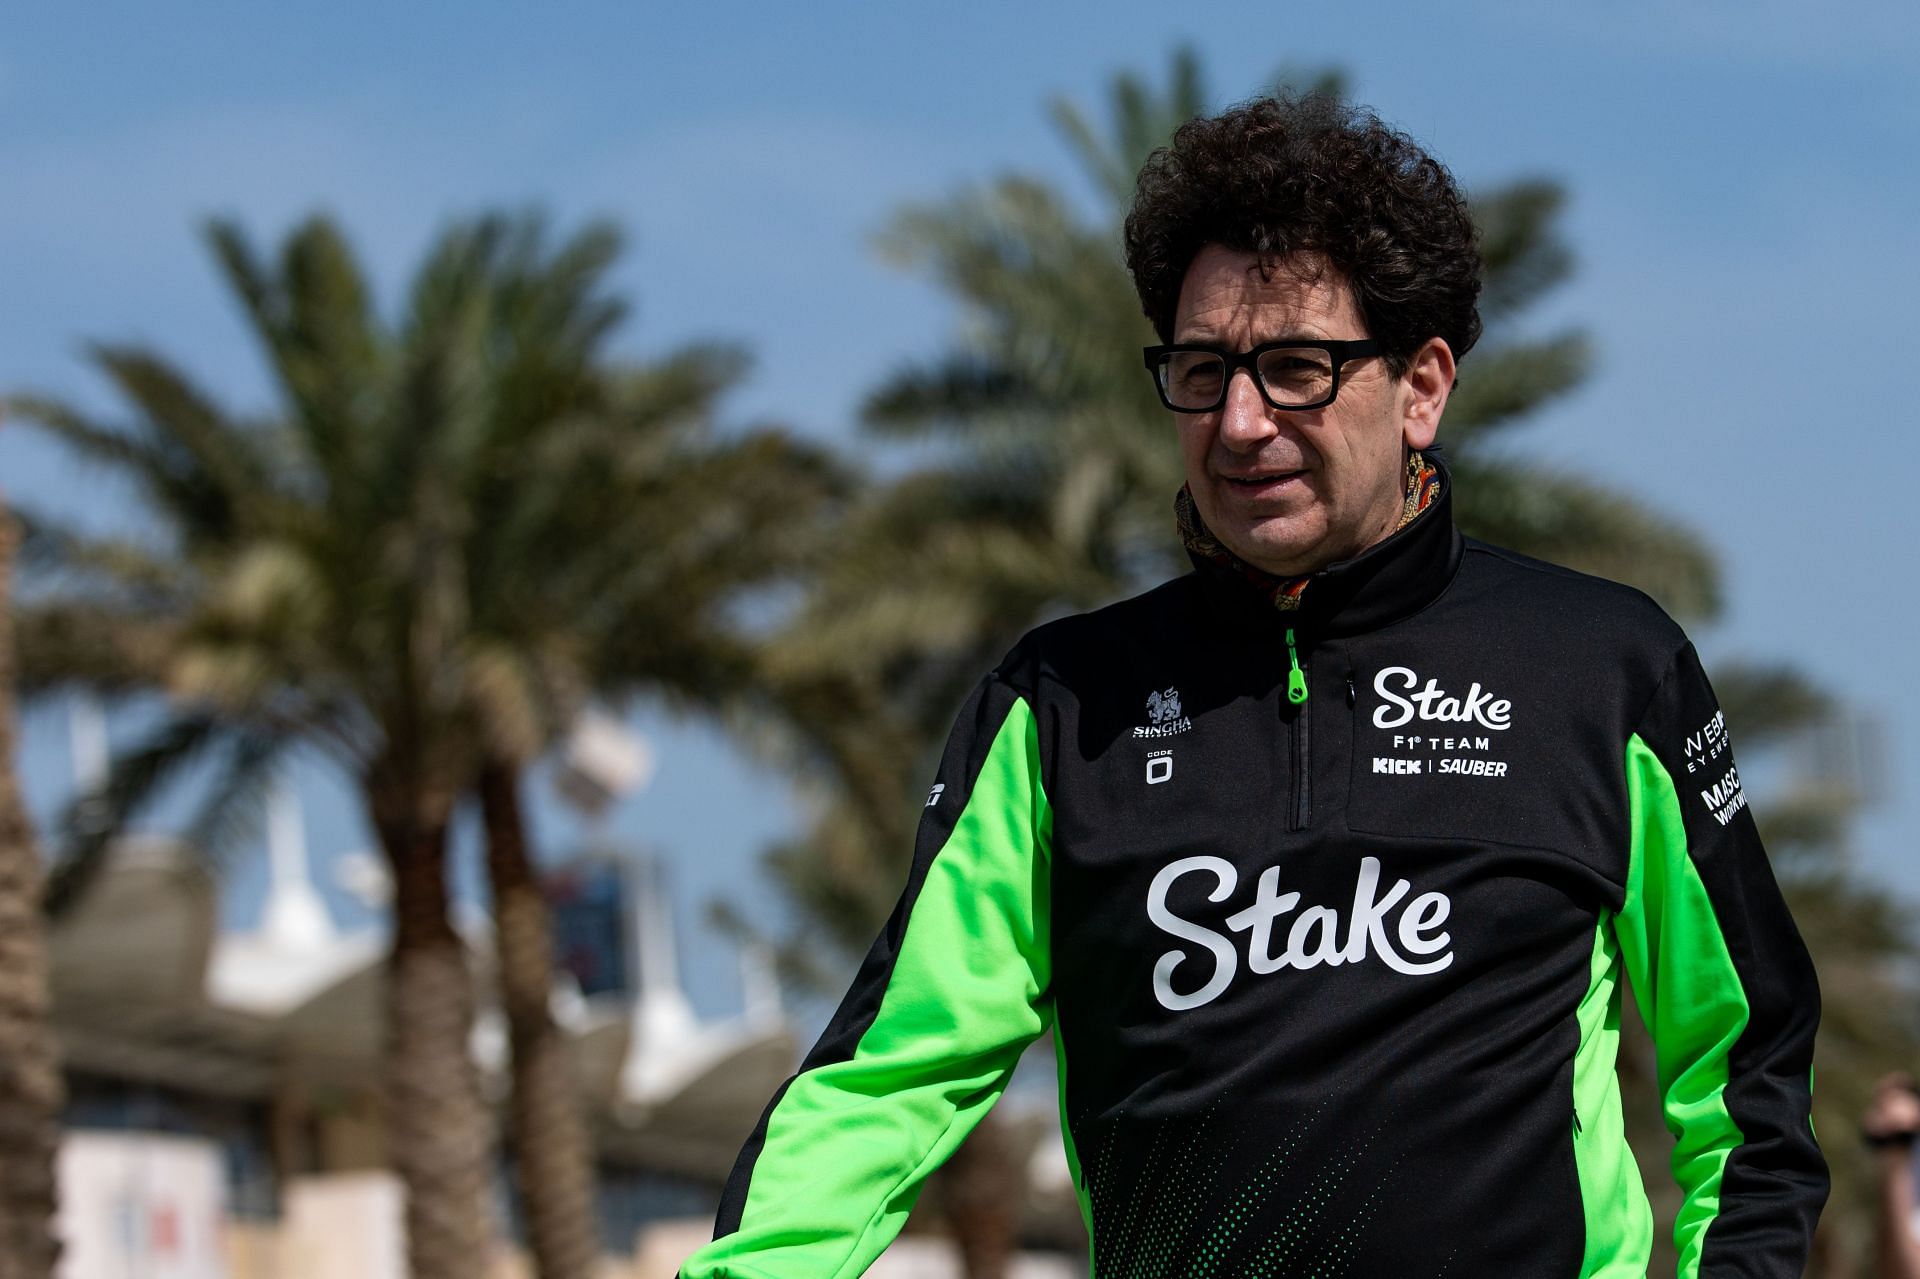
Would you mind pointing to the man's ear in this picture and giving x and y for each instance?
(1425, 387)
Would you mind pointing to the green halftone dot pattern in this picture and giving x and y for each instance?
(1297, 1241)
(1242, 1211)
(1338, 1255)
(1168, 1221)
(1158, 1226)
(1112, 1233)
(1142, 1240)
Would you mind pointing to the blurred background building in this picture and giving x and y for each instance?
(223, 1112)
(219, 1078)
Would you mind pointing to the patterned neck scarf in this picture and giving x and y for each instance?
(1423, 481)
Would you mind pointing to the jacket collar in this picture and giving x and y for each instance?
(1392, 579)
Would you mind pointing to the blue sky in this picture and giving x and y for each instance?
(1742, 199)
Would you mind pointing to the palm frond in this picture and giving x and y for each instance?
(230, 816)
(1295, 80)
(134, 778)
(1499, 386)
(681, 387)
(314, 317)
(117, 450)
(1139, 120)
(52, 550)
(1765, 702)
(963, 391)
(66, 642)
(1522, 253)
(210, 460)
(557, 301)
(1106, 171)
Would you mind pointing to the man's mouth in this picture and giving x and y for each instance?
(1263, 480)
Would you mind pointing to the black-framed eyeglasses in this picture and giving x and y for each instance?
(1192, 377)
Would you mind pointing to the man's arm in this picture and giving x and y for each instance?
(953, 990)
(1728, 991)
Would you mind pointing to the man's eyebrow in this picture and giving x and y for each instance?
(1211, 339)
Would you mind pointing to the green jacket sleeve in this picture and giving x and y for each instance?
(952, 991)
(1728, 991)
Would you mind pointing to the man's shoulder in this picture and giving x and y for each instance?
(1064, 648)
(1540, 593)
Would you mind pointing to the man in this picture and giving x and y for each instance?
(1889, 1127)
(1325, 862)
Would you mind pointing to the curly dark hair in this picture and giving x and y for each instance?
(1286, 174)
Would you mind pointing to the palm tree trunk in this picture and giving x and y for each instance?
(552, 1152)
(437, 1124)
(31, 1090)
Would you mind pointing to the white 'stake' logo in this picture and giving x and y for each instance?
(1433, 703)
(1312, 940)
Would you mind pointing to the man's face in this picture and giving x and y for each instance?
(1290, 491)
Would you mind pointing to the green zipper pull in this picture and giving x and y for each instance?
(1296, 678)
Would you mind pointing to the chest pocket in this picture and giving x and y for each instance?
(1453, 753)
(1179, 770)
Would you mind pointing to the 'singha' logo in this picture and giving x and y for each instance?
(1163, 715)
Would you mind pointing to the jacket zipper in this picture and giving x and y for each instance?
(1296, 678)
(1297, 731)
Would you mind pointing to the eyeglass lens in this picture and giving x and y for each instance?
(1292, 375)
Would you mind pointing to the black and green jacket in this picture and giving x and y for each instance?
(1334, 961)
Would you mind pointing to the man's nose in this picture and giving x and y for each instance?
(1244, 418)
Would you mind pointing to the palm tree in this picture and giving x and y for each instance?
(297, 595)
(610, 534)
(1052, 472)
(467, 526)
(30, 1084)
(461, 526)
